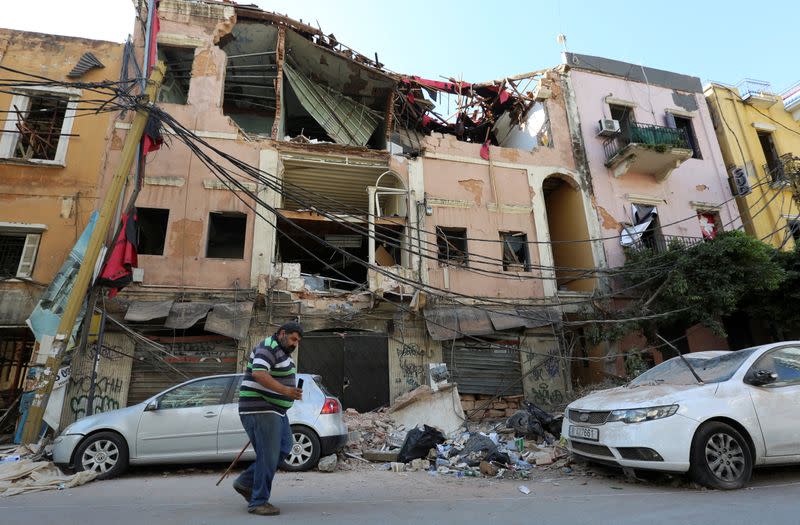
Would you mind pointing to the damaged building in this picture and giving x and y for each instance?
(398, 235)
(658, 175)
(50, 162)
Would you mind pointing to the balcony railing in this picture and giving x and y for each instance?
(751, 86)
(659, 243)
(787, 167)
(648, 135)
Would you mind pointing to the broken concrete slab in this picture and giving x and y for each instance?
(328, 463)
(423, 406)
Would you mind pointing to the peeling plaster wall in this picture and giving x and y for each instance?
(699, 180)
(175, 179)
(463, 196)
(62, 198)
(504, 194)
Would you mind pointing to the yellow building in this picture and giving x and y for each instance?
(759, 134)
(52, 153)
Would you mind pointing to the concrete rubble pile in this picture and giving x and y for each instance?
(513, 448)
(23, 470)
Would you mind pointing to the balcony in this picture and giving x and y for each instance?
(783, 172)
(659, 243)
(791, 100)
(647, 148)
(757, 93)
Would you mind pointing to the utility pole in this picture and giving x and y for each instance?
(77, 295)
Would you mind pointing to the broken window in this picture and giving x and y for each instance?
(175, 86)
(249, 97)
(226, 235)
(530, 132)
(18, 254)
(515, 252)
(645, 231)
(794, 230)
(624, 115)
(322, 265)
(37, 127)
(773, 167)
(452, 243)
(710, 224)
(151, 225)
(686, 125)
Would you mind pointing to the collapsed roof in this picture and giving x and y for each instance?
(334, 94)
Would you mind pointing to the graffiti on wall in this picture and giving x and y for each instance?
(545, 384)
(409, 356)
(108, 390)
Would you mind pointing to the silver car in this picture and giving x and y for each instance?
(196, 422)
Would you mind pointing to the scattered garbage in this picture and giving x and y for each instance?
(526, 443)
(23, 470)
(525, 490)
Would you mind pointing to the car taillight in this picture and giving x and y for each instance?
(331, 406)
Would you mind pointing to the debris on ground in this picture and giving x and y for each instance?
(516, 448)
(22, 470)
(328, 463)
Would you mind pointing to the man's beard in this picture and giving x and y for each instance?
(284, 341)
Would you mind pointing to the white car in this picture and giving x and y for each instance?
(744, 412)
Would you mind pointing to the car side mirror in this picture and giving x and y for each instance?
(151, 406)
(762, 377)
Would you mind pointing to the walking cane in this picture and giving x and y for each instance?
(235, 461)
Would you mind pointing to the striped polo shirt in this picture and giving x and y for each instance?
(270, 356)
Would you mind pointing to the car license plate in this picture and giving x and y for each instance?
(592, 434)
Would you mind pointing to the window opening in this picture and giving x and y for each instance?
(151, 225)
(515, 252)
(452, 243)
(226, 235)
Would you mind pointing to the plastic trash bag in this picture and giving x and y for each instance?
(419, 442)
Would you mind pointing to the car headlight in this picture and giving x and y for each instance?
(637, 415)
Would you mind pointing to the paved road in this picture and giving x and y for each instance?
(370, 497)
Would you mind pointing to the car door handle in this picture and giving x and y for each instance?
(210, 414)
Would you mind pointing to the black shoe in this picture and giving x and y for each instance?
(246, 492)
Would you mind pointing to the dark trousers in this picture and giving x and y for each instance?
(272, 441)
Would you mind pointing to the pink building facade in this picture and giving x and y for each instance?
(652, 153)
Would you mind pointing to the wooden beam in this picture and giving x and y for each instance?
(313, 216)
(279, 58)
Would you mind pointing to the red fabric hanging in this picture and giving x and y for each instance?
(118, 270)
(485, 150)
(708, 225)
(152, 138)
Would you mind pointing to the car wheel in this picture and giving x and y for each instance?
(105, 453)
(721, 458)
(305, 450)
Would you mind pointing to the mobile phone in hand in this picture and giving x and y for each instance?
(300, 383)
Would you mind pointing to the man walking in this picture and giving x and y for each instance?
(267, 392)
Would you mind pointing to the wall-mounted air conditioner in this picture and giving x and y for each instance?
(608, 127)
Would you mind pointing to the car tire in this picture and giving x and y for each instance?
(305, 452)
(105, 453)
(720, 457)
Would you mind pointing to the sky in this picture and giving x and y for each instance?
(480, 41)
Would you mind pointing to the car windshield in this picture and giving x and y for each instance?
(712, 370)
